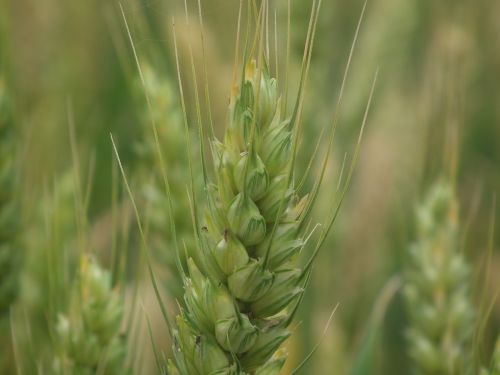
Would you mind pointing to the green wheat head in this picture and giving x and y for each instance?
(87, 336)
(242, 278)
(73, 313)
(437, 289)
(243, 282)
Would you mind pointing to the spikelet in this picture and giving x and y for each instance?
(170, 131)
(240, 297)
(87, 336)
(437, 289)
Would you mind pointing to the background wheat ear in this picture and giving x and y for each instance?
(87, 335)
(166, 115)
(437, 288)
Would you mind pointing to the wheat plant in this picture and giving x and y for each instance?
(437, 289)
(244, 282)
(72, 312)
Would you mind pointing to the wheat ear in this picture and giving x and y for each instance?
(437, 288)
(244, 283)
(87, 336)
(243, 290)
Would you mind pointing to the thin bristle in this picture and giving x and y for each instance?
(143, 237)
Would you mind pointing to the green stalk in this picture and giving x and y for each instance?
(10, 250)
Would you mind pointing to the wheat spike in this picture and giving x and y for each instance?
(87, 335)
(241, 295)
(437, 289)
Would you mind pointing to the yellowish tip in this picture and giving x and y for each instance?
(250, 70)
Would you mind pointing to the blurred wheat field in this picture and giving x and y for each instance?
(89, 277)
